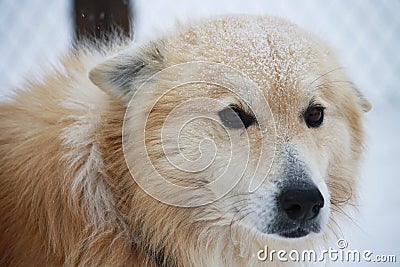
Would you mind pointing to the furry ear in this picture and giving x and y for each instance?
(121, 75)
(364, 103)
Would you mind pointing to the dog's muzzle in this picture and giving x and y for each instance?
(298, 206)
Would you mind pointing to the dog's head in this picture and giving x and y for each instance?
(248, 120)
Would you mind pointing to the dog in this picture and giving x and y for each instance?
(195, 149)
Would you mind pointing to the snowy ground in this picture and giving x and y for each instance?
(365, 35)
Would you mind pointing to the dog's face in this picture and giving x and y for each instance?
(278, 154)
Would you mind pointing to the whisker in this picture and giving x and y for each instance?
(322, 85)
(325, 74)
(237, 195)
(249, 211)
(337, 226)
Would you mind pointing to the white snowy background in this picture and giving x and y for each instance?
(365, 34)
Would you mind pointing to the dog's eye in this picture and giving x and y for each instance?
(235, 117)
(314, 116)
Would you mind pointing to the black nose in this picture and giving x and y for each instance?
(301, 201)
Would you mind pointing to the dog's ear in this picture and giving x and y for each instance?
(121, 75)
(362, 100)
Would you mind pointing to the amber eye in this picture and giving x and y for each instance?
(235, 117)
(314, 116)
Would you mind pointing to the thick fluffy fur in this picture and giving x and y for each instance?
(68, 198)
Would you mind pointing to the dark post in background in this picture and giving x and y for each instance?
(97, 18)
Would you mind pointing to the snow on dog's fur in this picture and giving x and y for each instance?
(68, 197)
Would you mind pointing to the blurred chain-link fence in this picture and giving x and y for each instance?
(33, 33)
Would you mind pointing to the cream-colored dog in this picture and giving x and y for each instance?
(197, 149)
